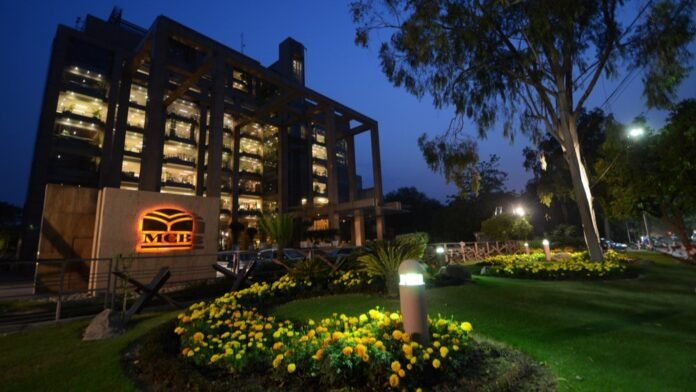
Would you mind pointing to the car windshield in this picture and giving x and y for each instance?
(294, 254)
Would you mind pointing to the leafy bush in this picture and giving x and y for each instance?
(567, 235)
(578, 266)
(451, 275)
(504, 227)
(312, 269)
(383, 258)
(418, 238)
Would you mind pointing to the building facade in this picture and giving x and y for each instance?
(167, 109)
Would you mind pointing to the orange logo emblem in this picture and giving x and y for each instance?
(165, 229)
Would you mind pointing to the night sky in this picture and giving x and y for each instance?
(335, 67)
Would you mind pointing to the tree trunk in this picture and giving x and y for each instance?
(581, 186)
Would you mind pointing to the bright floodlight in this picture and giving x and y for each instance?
(636, 132)
(526, 244)
(440, 250)
(519, 211)
(545, 242)
(411, 280)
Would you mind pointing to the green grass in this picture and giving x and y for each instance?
(626, 335)
(629, 335)
(54, 358)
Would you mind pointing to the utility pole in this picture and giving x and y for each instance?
(647, 231)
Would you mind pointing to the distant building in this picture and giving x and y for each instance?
(169, 110)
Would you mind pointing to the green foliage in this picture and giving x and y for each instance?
(310, 269)
(382, 259)
(525, 66)
(454, 159)
(420, 239)
(656, 173)
(504, 227)
(566, 235)
(281, 228)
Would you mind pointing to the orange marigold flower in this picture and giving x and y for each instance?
(347, 350)
(394, 380)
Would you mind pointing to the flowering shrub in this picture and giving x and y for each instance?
(355, 281)
(578, 266)
(339, 351)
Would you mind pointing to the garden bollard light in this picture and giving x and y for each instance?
(526, 247)
(412, 300)
(547, 251)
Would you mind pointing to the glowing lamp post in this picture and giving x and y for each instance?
(547, 250)
(412, 301)
(526, 247)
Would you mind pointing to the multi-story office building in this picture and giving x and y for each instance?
(167, 109)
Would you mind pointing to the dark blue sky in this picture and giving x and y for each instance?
(334, 67)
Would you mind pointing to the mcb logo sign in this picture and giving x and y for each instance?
(165, 229)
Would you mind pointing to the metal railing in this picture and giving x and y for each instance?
(466, 252)
(34, 291)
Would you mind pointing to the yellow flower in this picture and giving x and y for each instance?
(291, 368)
(365, 357)
(198, 337)
(319, 354)
(347, 350)
(408, 350)
(395, 366)
(402, 373)
(360, 349)
(443, 352)
(436, 363)
(466, 326)
(394, 380)
(214, 358)
(397, 334)
(394, 316)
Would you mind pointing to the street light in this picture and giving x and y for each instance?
(519, 211)
(633, 133)
(636, 132)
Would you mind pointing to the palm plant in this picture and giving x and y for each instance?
(384, 257)
(281, 228)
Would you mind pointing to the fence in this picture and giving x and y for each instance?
(469, 252)
(45, 290)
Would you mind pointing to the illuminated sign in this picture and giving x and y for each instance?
(165, 229)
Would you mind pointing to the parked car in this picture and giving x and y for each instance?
(235, 260)
(609, 244)
(289, 254)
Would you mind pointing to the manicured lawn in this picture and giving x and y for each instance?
(629, 335)
(611, 336)
(54, 358)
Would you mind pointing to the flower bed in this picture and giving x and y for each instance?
(576, 266)
(370, 349)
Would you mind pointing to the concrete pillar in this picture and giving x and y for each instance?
(200, 163)
(350, 152)
(217, 109)
(120, 123)
(377, 178)
(358, 228)
(153, 143)
(115, 85)
(331, 156)
(283, 166)
(235, 174)
(376, 164)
